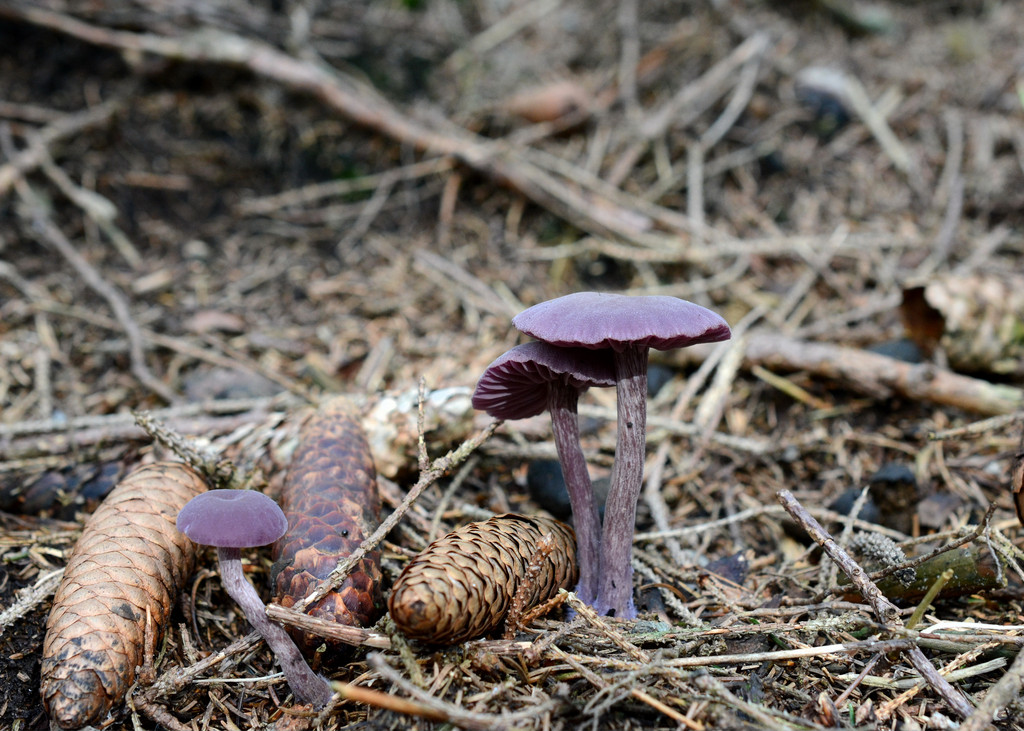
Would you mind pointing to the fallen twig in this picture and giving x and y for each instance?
(387, 701)
(1006, 690)
(98, 209)
(30, 597)
(350, 635)
(913, 563)
(768, 718)
(883, 377)
(767, 510)
(690, 101)
(25, 160)
(598, 682)
(616, 637)
(26, 440)
(175, 679)
(885, 610)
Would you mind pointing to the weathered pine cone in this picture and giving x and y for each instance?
(130, 557)
(330, 498)
(460, 587)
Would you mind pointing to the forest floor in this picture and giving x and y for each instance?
(218, 212)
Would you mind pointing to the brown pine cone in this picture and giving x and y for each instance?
(330, 498)
(462, 584)
(130, 556)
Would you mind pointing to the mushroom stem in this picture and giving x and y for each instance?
(307, 685)
(562, 403)
(615, 591)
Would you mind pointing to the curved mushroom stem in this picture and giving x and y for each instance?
(615, 591)
(307, 685)
(562, 403)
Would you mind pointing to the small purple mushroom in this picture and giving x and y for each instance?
(236, 519)
(534, 377)
(629, 327)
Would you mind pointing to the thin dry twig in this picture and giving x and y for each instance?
(885, 610)
(118, 304)
(977, 428)
(967, 537)
(496, 33)
(766, 511)
(30, 597)
(689, 102)
(602, 626)
(155, 712)
(598, 682)
(766, 717)
(205, 460)
(389, 702)
(20, 163)
(1005, 691)
(176, 679)
(356, 636)
(55, 437)
(98, 209)
(875, 121)
(315, 192)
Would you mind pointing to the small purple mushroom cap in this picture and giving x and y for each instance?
(232, 519)
(628, 327)
(536, 377)
(512, 387)
(616, 321)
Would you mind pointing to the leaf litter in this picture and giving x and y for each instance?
(362, 231)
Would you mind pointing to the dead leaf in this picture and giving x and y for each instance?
(549, 102)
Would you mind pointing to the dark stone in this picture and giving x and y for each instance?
(844, 504)
(903, 349)
(657, 377)
(546, 485)
(894, 490)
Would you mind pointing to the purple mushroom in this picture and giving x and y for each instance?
(236, 519)
(534, 377)
(629, 327)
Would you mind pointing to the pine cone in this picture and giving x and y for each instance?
(462, 584)
(130, 556)
(330, 498)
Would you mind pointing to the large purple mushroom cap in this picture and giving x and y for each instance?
(232, 519)
(513, 386)
(627, 328)
(605, 320)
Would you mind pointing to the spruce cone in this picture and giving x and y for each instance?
(130, 557)
(462, 584)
